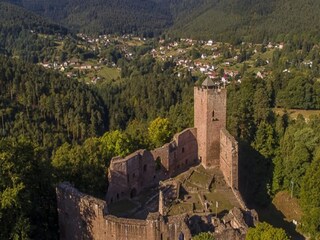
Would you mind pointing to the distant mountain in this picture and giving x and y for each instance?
(104, 16)
(231, 20)
(252, 20)
(12, 16)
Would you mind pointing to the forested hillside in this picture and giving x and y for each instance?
(105, 16)
(257, 21)
(231, 20)
(39, 111)
(149, 89)
(20, 34)
(46, 107)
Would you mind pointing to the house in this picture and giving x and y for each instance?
(74, 61)
(260, 75)
(83, 67)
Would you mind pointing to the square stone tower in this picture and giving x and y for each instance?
(210, 103)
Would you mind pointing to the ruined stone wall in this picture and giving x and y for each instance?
(176, 227)
(85, 217)
(209, 118)
(130, 175)
(155, 227)
(186, 150)
(163, 155)
(178, 155)
(124, 229)
(229, 158)
(80, 216)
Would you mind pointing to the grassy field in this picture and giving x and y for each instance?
(180, 208)
(281, 212)
(223, 202)
(105, 73)
(293, 113)
(109, 73)
(199, 179)
(267, 55)
(135, 42)
(288, 206)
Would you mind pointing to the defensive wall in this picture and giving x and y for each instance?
(85, 217)
(229, 158)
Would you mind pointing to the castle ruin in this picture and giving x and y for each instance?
(208, 143)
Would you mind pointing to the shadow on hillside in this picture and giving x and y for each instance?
(275, 217)
(255, 177)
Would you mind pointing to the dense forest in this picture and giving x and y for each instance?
(47, 107)
(227, 20)
(20, 34)
(149, 89)
(104, 16)
(254, 21)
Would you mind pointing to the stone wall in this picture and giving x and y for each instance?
(85, 217)
(123, 229)
(80, 216)
(130, 175)
(178, 155)
(155, 227)
(143, 169)
(209, 118)
(229, 158)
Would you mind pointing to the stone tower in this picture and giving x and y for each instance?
(209, 118)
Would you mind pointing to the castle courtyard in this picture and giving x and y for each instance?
(197, 191)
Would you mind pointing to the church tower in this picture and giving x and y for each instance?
(210, 103)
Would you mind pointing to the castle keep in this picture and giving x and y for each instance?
(209, 118)
(208, 143)
(216, 147)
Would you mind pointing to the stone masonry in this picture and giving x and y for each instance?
(209, 118)
(143, 169)
(85, 217)
(229, 158)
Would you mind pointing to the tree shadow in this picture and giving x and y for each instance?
(255, 178)
(272, 215)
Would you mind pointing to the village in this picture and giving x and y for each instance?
(221, 62)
